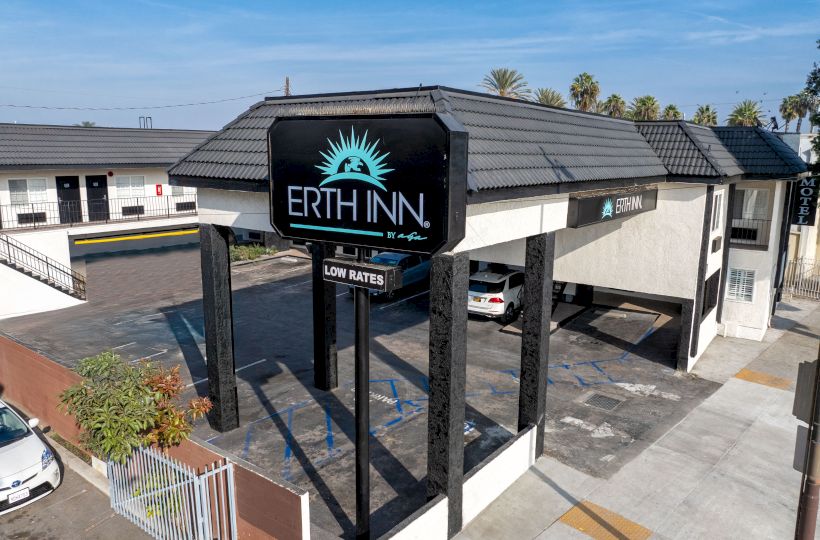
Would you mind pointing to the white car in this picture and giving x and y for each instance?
(28, 470)
(495, 295)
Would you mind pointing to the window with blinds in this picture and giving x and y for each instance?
(130, 186)
(740, 285)
(27, 190)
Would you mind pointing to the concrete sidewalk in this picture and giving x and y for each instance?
(724, 471)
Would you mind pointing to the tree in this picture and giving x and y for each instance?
(615, 106)
(804, 103)
(121, 407)
(506, 82)
(671, 112)
(645, 108)
(745, 113)
(584, 92)
(788, 110)
(86, 123)
(705, 115)
(548, 96)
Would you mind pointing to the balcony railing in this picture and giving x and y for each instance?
(750, 232)
(72, 213)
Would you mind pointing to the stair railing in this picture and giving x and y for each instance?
(22, 257)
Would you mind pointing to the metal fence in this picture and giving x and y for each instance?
(750, 232)
(802, 278)
(169, 500)
(70, 213)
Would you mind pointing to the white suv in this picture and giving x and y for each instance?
(28, 470)
(495, 295)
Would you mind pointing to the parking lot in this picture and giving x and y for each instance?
(612, 385)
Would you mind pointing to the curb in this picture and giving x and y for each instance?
(87, 472)
(279, 254)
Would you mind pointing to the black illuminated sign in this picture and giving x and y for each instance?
(387, 182)
(377, 277)
(602, 208)
(804, 203)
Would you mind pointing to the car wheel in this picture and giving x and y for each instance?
(510, 313)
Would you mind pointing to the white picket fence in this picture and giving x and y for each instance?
(802, 279)
(170, 501)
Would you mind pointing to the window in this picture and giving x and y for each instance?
(27, 190)
(182, 190)
(717, 210)
(741, 285)
(130, 186)
(751, 204)
(711, 291)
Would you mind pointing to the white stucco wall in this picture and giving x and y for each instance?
(655, 252)
(22, 295)
(750, 320)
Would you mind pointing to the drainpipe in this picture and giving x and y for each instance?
(810, 486)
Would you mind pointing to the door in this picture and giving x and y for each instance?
(68, 199)
(97, 189)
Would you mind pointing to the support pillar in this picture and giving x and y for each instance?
(535, 337)
(448, 363)
(218, 314)
(325, 370)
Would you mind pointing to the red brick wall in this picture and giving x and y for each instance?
(33, 382)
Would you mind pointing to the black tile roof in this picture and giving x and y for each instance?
(690, 151)
(760, 152)
(29, 146)
(512, 143)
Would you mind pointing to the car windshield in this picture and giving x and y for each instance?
(388, 262)
(486, 287)
(11, 427)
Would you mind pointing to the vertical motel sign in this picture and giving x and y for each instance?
(396, 183)
(804, 204)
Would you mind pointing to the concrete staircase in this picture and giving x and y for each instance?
(39, 266)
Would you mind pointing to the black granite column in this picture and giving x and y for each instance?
(535, 337)
(448, 357)
(325, 371)
(218, 313)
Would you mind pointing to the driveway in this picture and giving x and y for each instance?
(612, 389)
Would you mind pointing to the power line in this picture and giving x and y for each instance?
(148, 107)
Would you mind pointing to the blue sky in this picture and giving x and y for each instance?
(145, 52)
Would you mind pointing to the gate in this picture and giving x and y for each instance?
(169, 500)
(802, 278)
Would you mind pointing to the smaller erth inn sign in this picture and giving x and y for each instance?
(804, 204)
(585, 211)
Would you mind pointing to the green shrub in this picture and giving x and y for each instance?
(249, 252)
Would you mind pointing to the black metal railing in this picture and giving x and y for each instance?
(71, 213)
(25, 259)
(750, 232)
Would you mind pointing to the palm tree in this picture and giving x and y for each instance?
(645, 108)
(615, 106)
(506, 82)
(705, 116)
(671, 112)
(805, 103)
(745, 113)
(788, 110)
(584, 92)
(86, 123)
(548, 96)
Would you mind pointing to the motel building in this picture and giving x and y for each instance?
(66, 192)
(687, 221)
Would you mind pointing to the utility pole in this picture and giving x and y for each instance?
(810, 486)
(287, 85)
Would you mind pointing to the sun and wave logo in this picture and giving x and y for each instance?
(353, 158)
(607, 209)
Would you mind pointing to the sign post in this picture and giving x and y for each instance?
(386, 182)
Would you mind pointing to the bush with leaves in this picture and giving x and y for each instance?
(120, 406)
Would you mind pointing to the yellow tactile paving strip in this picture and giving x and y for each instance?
(763, 378)
(602, 524)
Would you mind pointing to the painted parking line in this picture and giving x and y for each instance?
(200, 381)
(765, 379)
(123, 346)
(402, 301)
(602, 524)
(163, 351)
(296, 284)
